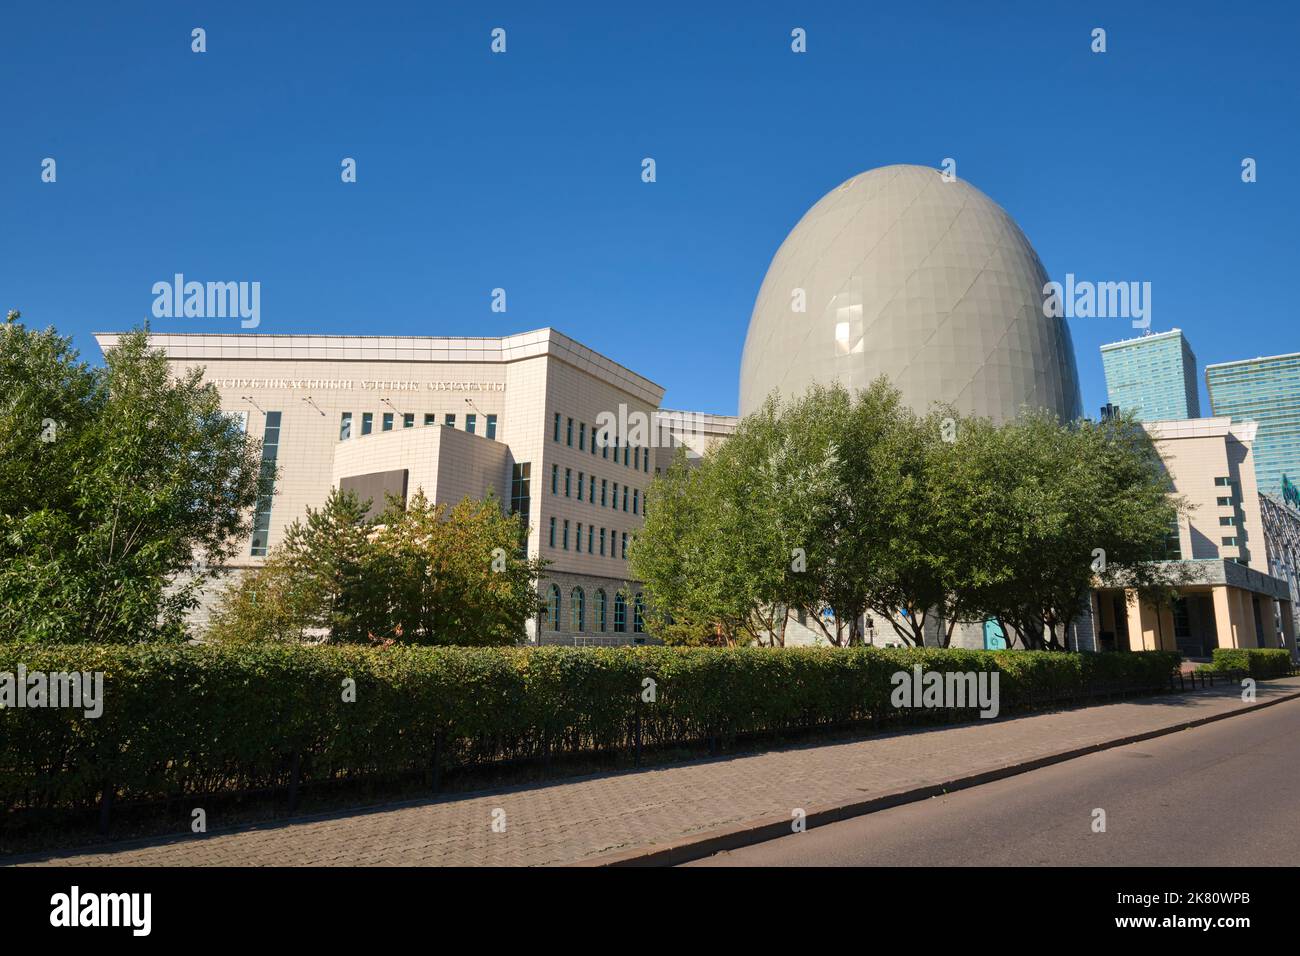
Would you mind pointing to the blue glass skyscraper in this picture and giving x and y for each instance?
(1267, 391)
(1153, 376)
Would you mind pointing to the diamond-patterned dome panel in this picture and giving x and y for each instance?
(926, 281)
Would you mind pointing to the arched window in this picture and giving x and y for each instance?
(638, 615)
(600, 609)
(620, 612)
(553, 607)
(578, 609)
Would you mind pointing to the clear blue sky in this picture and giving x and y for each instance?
(523, 171)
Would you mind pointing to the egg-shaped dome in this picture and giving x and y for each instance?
(902, 273)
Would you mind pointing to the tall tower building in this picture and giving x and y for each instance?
(1267, 391)
(1153, 376)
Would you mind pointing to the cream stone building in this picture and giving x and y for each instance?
(1233, 598)
(516, 416)
(696, 432)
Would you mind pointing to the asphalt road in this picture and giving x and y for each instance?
(1225, 794)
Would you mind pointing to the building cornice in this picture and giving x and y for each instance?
(235, 346)
(1252, 361)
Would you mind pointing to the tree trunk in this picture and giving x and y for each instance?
(778, 634)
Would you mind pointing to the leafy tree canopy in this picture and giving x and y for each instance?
(841, 504)
(422, 573)
(112, 481)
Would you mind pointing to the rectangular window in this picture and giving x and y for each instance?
(345, 427)
(471, 423)
(1227, 522)
(566, 534)
(603, 483)
(555, 479)
(1224, 502)
(568, 434)
(614, 497)
(556, 434)
(449, 420)
(1173, 544)
(636, 500)
(636, 458)
(408, 419)
(1229, 542)
(430, 418)
(568, 479)
(602, 542)
(593, 441)
(626, 449)
(625, 497)
(552, 532)
(492, 427)
(388, 421)
(581, 482)
(591, 536)
(577, 544)
(592, 497)
(582, 436)
(520, 499)
(604, 450)
(624, 546)
(645, 462)
(367, 422)
(266, 485)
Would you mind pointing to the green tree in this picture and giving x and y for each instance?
(764, 492)
(313, 585)
(114, 481)
(668, 556)
(854, 503)
(451, 575)
(1077, 506)
(422, 573)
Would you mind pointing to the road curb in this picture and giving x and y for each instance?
(762, 829)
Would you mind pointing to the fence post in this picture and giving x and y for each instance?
(293, 781)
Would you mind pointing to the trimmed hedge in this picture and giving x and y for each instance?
(1259, 661)
(182, 720)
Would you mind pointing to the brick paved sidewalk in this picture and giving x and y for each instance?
(582, 819)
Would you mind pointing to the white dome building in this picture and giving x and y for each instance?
(902, 273)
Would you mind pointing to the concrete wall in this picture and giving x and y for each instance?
(446, 463)
(1195, 453)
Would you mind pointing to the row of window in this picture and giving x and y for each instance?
(408, 421)
(578, 611)
(638, 459)
(1225, 521)
(591, 492)
(617, 545)
(266, 485)
(520, 498)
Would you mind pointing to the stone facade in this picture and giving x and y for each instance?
(560, 432)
